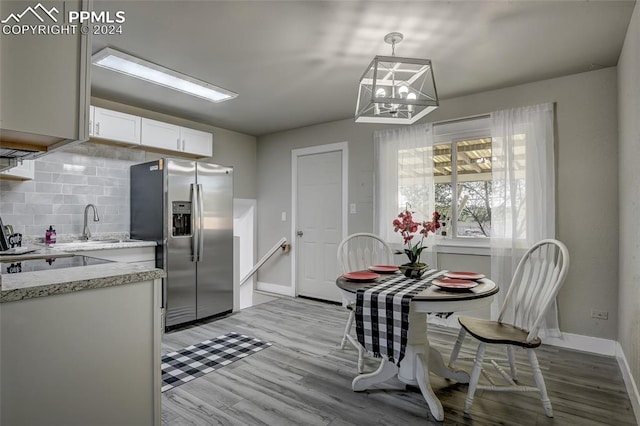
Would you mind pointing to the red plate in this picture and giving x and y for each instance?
(361, 276)
(384, 269)
(453, 284)
(464, 275)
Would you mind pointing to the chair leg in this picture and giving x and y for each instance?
(456, 347)
(537, 375)
(347, 336)
(512, 363)
(360, 358)
(347, 329)
(475, 376)
(360, 350)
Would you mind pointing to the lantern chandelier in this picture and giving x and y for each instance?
(396, 90)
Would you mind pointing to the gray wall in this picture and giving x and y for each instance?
(229, 148)
(629, 184)
(586, 147)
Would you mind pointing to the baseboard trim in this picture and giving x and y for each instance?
(275, 289)
(629, 381)
(579, 342)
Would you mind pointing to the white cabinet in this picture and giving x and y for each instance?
(115, 126)
(83, 358)
(45, 80)
(169, 137)
(157, 134)
(197, 142)
(24, 171)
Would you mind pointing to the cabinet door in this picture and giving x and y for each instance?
(160, 135)
(197, 142)
(24, 171)
(116, 126)
(44, 78)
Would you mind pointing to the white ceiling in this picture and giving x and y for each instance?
(297, 63)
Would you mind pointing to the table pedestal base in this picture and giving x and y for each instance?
(420, 360)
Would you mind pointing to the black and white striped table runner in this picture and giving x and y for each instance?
(382, 314)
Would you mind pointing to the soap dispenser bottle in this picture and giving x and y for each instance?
(50, 236)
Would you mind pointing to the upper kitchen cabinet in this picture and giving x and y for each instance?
(197, 142)
(168, 137)
(45, 77)
(114, 126)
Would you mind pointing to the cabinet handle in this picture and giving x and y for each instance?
(90, 127)
(178, 144)
(183, 144)
(97, 129)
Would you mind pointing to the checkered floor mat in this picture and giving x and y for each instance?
(200, 359)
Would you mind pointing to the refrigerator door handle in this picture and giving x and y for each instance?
(194, 222)
(201, 224)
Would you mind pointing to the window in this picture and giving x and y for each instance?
(463, 189)
(415, 168)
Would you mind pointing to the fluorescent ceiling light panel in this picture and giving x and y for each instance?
(135, 67)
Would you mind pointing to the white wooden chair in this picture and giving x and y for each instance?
(535, 284)
(356, 253)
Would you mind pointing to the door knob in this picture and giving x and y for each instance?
(299, 233)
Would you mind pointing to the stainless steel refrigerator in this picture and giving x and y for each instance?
(187, 208)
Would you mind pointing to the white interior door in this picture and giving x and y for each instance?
(319, 223)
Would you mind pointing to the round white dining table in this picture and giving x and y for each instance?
(420, 358)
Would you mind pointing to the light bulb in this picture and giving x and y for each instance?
(403, 90)
(381, 93)
(411, 96)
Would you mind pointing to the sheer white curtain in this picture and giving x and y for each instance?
(404, 175)
(523, 200)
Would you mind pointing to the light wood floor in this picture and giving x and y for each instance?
(305, 379)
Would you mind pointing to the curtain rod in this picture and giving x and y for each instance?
(455, 120)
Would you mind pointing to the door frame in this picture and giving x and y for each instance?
(343, 147)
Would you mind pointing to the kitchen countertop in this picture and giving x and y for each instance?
(28, 285)
(68, 248)
(101, 245)
(40, 253)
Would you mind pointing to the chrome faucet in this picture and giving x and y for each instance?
(86, 234)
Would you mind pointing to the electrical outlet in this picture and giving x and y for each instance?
(601, 315)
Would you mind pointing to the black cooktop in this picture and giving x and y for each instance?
(14, 267)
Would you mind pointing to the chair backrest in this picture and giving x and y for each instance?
(359, 251)
(535, 284)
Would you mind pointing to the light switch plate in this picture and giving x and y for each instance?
(352, 208)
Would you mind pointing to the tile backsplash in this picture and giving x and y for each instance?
(65, 182)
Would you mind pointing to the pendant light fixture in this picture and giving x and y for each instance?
(396, 90)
